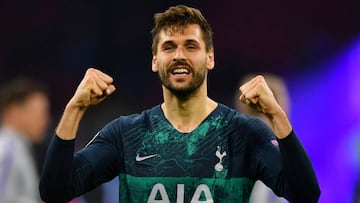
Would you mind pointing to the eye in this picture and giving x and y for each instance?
(191, 47)
(168, 48)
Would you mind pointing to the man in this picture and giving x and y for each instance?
(261, 193)
(188, 149)
(24, 110)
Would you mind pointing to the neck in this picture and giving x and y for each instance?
(186, 113)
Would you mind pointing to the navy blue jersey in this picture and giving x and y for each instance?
(219, 161)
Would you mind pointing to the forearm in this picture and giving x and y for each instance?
(280, 124)
(69, 122)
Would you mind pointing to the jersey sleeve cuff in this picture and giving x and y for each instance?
(290, 138)
(66, 143)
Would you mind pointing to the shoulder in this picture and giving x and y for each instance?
(237, 118)
(245, 124)
(13, 147)
(11, 139)
(132, 121)
(115, 130)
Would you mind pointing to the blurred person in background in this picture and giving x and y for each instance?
(24, 110)
(261, 193)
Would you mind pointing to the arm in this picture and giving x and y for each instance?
(257, 94)
(65, 175)
(285, 168)
(93, 89)
(297, 180)
(298, 171)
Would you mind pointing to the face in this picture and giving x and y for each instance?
(34, 117)
(181, 60)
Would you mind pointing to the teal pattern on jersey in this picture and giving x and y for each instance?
(165, 165)
(174, 153)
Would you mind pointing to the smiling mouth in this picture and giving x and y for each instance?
(176, 71)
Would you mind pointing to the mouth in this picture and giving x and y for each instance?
(180, 69)
(177, 71)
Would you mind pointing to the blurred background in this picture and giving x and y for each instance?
(313, 45)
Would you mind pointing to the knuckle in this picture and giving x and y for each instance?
(261, 85)
(89, 80)
(90, 70)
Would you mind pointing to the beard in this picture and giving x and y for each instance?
(185, 91)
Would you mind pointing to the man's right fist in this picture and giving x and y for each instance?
(94, 88)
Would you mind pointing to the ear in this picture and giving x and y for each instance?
(210, 62)
(154, 67)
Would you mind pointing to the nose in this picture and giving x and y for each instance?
(179, 54)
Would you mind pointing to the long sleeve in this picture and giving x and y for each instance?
(55, 180)
(298, 172)
(66, 175)
(282, 164)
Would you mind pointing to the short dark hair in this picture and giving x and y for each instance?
(175, 18)
(18, 90)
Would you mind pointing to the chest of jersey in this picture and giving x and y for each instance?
(163, 151)
(164, 165)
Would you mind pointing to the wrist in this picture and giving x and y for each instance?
(281, 124)
(69, 121)
(75, 106)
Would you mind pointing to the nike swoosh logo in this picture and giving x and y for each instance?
(142, 158)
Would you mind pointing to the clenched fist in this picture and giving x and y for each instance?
(94, 88)
(257, 94)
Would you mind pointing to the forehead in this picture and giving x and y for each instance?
(183, 33)
(37, 99)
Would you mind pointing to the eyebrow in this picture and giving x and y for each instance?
(168, 42)
(188, 41)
